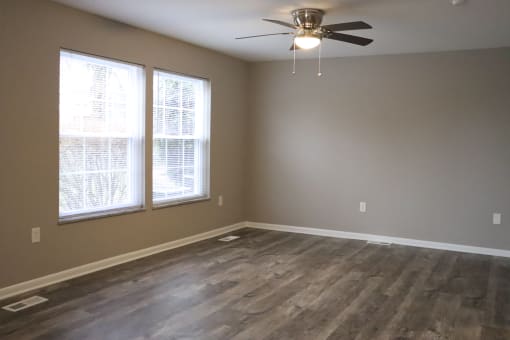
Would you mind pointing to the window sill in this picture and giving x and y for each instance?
(94, 216)
(183, 202)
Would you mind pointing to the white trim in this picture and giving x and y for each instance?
(88, 268)
(111, 261)
(382, 239)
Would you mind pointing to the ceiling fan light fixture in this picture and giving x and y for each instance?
(307, 41)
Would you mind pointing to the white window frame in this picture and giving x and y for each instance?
(136, 145)
(206, 126)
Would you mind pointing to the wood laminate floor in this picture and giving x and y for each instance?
(273, 285)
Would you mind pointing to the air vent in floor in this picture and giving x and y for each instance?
(25, 303)
(386, 244)
(228, 238)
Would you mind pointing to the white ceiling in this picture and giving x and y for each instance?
(400, 26)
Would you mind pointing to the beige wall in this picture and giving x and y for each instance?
(31, 34)
(424, 139)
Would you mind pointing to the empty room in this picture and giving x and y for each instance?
(258, 169)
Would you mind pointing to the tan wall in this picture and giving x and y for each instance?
(424, 139)
(31, 34)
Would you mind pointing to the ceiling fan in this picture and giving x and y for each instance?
(308, 31)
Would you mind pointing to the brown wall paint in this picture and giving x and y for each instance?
(424, 139)
(31, 34)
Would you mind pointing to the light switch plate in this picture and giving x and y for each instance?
(363, 207)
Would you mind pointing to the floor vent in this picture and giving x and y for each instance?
(25, 303)
(229, 238)
(386, 244)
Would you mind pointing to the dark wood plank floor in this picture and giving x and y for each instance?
(272, 285)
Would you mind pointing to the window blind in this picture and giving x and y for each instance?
(101, 135)
(180, 169)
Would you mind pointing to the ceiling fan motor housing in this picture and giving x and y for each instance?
(309, 32)
(308, 18)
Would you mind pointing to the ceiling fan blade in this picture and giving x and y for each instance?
(348, 38)
(347, 26)
(263, 35)
(283, 23)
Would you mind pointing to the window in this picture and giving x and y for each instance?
(101, 136)
(180, 169)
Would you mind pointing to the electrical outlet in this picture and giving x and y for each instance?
(363, 207)
(220, 201)
(496, 218)
(36, 235)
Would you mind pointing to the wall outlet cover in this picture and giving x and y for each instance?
(496, 218)
(36, 235)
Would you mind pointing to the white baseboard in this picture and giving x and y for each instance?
(383, 239)
(67, 274)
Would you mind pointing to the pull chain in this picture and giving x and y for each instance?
(319, 73)
(294, 64)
